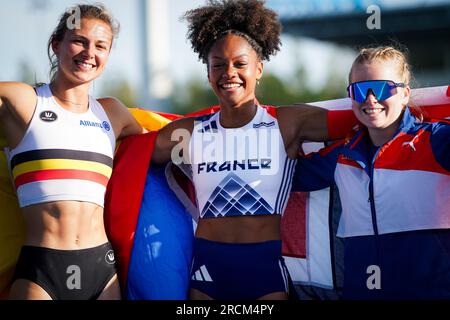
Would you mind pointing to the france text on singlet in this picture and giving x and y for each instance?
(240, 171)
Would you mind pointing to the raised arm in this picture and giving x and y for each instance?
(302, 122)
(17, 97)
(308, 122)
(17, 104)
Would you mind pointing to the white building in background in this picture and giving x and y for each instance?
(158, 82)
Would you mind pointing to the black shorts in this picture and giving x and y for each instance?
(68, 274)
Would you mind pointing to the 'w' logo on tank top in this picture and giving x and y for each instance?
(48, 116)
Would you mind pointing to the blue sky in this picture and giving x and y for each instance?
(30, 23)
(320, 7)
(25, 26)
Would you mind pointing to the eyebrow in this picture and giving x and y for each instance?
(240, 56)
(84, 38)
(104, 41)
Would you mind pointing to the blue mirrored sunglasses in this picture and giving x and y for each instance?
(381, 89)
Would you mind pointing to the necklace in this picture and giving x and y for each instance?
(67, 100)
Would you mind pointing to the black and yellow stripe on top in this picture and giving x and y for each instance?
(60, 164)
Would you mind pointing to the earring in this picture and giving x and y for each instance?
(257, 82)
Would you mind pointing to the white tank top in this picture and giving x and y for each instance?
(240, 171)
(63, 155)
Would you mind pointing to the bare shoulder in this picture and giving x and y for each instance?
(17, 97)
(17, 104)
(8, 88)
(123, 122)
(112, 105)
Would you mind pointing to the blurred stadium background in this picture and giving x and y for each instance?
(152, 65)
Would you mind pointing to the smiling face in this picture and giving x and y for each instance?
(233, 69)
(379, 115)
(84, 52)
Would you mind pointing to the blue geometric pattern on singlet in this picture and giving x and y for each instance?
(234, 197)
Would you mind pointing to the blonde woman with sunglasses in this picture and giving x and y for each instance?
(393, 177)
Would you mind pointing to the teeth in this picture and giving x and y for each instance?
(230, 85)
(86, 65)
(372, 111)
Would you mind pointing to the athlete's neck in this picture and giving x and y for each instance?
(379, 136)
(236, 117)
(74, 98)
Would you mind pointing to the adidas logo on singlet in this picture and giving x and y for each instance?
(202, 274)
(209, 128)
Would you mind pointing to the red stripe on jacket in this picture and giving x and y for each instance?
(409, 152)
(293, 226)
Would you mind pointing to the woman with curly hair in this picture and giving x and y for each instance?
(242, 157)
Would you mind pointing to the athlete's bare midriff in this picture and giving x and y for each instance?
(240, 229)
(65, 225)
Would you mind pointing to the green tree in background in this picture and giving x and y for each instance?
(196, 94)
(122, 90)
(191, 96)
(272, 90)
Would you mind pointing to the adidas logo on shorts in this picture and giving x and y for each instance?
(202, 274)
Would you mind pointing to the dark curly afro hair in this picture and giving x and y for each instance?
(247, 18)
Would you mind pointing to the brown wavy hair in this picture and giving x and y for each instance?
(92, 11)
